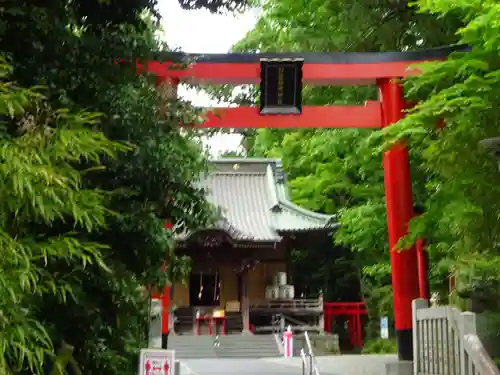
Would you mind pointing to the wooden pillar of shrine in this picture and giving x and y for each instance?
(245, 302)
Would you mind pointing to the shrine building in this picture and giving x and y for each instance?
(240, 279)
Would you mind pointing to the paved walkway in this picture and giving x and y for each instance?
(330, 365)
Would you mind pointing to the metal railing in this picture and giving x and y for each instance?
(309, 363)
(279, 322)
(278, 332)
(445, 342)
(294, 304)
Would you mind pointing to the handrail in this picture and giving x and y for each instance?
(308, 359)
(278, 325)
(295, 328)
(277, 333)
(293, 320)
(479, 356)
(304, 361)
(279, 343)
(313, 365)
(463, 354)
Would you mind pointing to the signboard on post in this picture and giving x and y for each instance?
(155, 321)
(384, 327)
(157, 362)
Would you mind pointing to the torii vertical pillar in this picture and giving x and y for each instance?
(167, 89)
(399, 203)
(165, 314)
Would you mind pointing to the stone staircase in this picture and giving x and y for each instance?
(230, 346)
(184, 321)
(191, 346)
(247, 346)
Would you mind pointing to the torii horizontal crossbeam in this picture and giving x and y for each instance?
(319, 68)
(367, 116)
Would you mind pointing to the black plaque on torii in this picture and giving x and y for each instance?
(281, 86)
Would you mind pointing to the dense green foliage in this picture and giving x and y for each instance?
(41, 190)
(70, 49)
(85, 196)
(462, 185)
(215, 5)
(380, 346)
(340, 171)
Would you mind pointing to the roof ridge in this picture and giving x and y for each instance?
(233, 231)
(316, 215)
(232, 173)
(245, 160)
(271, 182)
(284, 200)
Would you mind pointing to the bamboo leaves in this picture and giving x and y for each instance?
(41, 187)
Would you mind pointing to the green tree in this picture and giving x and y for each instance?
(331, 170)
(462, 187)
(232, 154)
(454, 178)
(41, 189)
(70, 48)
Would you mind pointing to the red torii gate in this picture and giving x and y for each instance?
(352, 311)
(381, 69)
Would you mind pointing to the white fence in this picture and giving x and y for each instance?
(445, 342)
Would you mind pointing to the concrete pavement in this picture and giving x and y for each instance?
(327, 365)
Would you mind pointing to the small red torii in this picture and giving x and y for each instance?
(341, 69)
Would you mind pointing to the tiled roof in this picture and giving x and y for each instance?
(253, 199)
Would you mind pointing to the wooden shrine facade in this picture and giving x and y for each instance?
(235, 262)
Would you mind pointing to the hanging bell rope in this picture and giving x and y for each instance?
(201, 286)
(216, 286)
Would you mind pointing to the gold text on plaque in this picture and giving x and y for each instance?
(281, 84)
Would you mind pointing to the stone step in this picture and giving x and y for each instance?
(231, 346)
(246, 339)
(246, 354)
(246, 344)
(253, 339)
(267, 348)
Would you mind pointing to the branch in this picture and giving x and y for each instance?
(366, 33)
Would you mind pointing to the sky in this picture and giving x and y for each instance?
(200, 31)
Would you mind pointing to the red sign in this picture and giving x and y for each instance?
(156, 362)
(156, 367)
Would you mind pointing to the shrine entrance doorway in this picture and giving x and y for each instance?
(204, 289)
